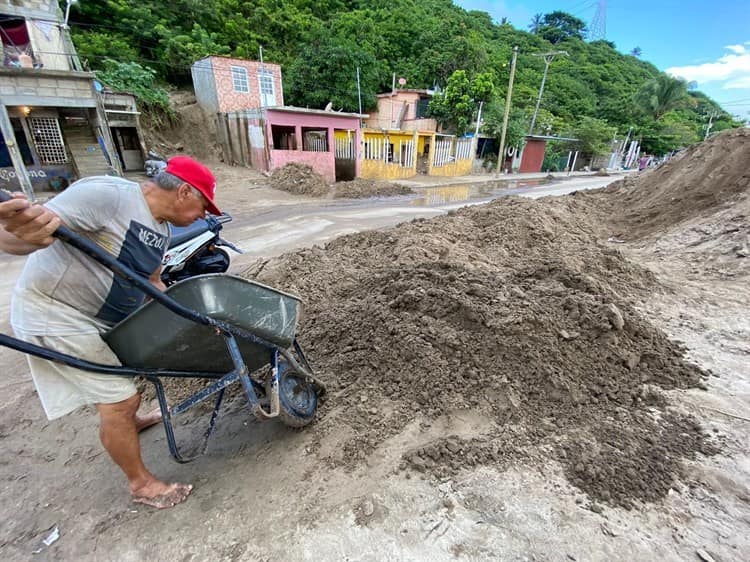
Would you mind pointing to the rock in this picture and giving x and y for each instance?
(615, 317)
(517, 292)
(564, 334)
(705, 556)
(453, 446)
(632, 360)
(368, 508)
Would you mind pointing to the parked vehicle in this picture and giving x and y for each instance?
(196, 249)
(154, 164)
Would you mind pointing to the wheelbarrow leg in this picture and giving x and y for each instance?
(167, 413)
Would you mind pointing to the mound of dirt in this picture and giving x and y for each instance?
(299, 179)
(513, 311)
(697, 182)
(192, 133)
(361, 188)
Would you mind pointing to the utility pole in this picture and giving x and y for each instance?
(359, 93)
(479, 119)
(501, 153)
(22, 175)
(547, 60)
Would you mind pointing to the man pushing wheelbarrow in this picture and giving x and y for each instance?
(65, 304)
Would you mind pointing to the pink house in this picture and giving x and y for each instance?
(403, 110)
(327, 141)
(224, 84)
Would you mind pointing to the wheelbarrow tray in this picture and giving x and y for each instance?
(154, 337)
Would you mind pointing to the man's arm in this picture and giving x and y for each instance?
(24, 227)
(156, 281)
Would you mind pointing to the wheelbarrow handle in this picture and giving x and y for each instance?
(103, 257)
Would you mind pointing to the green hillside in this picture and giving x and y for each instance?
(592, 92)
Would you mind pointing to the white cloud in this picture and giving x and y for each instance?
(742, 83)
(731, 69)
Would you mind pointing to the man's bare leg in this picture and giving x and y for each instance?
(119, 435)
(147, 420)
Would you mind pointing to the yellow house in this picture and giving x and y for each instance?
(451, 156)
(387, 154)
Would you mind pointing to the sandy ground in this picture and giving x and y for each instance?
(262, 494)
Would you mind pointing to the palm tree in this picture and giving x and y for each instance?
(661, 94)
(536, 23)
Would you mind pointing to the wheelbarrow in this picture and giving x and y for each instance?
(215, 326)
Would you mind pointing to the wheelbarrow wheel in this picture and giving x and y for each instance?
(298, 400)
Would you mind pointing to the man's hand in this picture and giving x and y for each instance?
(26, 227)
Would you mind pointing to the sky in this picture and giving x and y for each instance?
(705, 42)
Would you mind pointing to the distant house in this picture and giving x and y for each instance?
(404, 110)
(53, 123)
(256, 129)
(270, 137)
(224, 84)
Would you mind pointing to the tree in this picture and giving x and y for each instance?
(661, 94)
(138, 80)
(326, 72)
(636, 52)
(536, 23)
(594, 135)
(558, 26)
(456, 105)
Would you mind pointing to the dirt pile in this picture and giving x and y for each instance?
(514, 311)
(703, 179)
(696, 206)
(192, 133)
(361, 188)
(299, 179)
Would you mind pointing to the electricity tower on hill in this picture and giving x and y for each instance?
(598, 27)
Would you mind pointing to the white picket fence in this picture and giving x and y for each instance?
(402, 153)
(463, 149)
(407, 149)
(442, 152)
(446, 152)
(314, 142)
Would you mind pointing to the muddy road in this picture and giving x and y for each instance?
(266, 493)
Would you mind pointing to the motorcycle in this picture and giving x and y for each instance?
(196, 249)
(154, 164)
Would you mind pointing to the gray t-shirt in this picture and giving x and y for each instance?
(61, 290)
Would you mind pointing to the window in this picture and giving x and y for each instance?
(422, 105)
(48, 140)
(314, 140)
(239, 80)
(283, 137)
(267, 89)
(16, 47)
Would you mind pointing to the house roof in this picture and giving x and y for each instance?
(545, 137)
(292, 109)
(407, 90)
(236, 58)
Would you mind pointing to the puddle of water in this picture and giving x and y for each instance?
(464, 192)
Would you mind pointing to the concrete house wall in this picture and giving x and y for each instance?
(399, 111)
(217, 91)
(299, 118)
(49, 106)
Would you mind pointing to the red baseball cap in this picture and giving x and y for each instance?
(196, 174)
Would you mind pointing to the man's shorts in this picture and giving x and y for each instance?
(62, 389)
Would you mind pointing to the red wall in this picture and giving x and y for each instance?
(533, 156)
